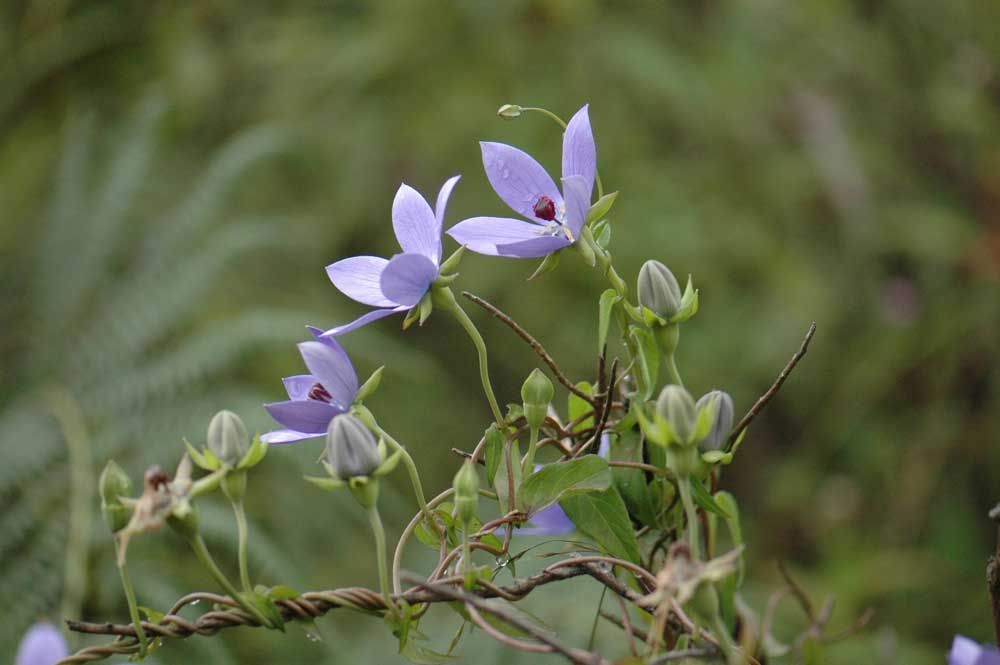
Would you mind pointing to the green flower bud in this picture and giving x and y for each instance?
(536, 393)
(658, 290)
(722, 422)
(676, 407)
(466, 486)
(351, 449)
(114, 483)
(509, 111)
(228, 438)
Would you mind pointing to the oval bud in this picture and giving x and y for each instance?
(228, 438)
(722, 421)
(658, 290)
(351, 449)
(466, 486)
(536, 393)
(676, 407)
(509, 111)
(114, 483)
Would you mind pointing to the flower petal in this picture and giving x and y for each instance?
(306, 416)
(417, 228)
(282, 436)
(577, 203)
(363, 320)
(968, 652)
(42, 644)
(358, 278)
(518, 179)
(551, 521)
(579, 155)
(483, 234)
(407, 278)
(332, 368)
(442, 203)
(298, 386)
(534, 248)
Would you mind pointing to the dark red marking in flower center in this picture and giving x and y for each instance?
(156, 477)
(320, 394)
(545, 209)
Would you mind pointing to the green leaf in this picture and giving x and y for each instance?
(601, 207)
(642, 500)
(548, 264)
(602, 516)
(706, 500)
(204, 459)
(509, 609)
(151, 615)
(328, 484)
(254, 455)
(648, 360)
(266, 607)
(369, 387)
(603, 235)
(500, 482)
(689, 304)
(558, 480)
(281, 592)
(578, 406)
(421, 655)
(608, 300)
(494, 451)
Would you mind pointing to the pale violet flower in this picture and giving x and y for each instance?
(554, 218)
(396, 285)
(43, 644)
(968, 652)
(315, 398)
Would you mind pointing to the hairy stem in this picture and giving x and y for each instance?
(205, 558)
(242, 530)
(383, 569)
(133, 609)
(446, 300)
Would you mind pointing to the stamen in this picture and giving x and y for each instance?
(320, 394)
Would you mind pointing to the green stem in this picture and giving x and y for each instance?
(675, 376)
(684, 485)
(733, 656)
(467, 558)
(411, 468)
(241, 527)
(383, 571)
(529, 457)
(201, 551)
(133, 609)
(445, 299)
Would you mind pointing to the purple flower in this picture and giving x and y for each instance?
(554, 218)
(396, 285)
(967, 652)
(314, 398)
(553, 521)
(41, 645)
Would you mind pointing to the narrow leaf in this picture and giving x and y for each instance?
(608, 300)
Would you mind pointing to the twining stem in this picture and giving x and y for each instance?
(411, 468)
(383, 570)
(242, 530)
(133, 609)
(529, 457)
(684, 485)
(446, 300)
(201, 551)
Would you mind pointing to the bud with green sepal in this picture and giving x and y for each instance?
(114, 486)
(663, 307)
(713, 443)
(466, 486)
(509, 111)
(536, 394)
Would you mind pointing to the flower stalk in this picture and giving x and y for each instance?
(133, 608)
(375, 520)
(205, 558)
(242, 533)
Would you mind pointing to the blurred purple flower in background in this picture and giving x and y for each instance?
(968, 652)
(553, 521)
(554, 218)
(396, 285)
(900, 301)
(43, 644)
(315, 398)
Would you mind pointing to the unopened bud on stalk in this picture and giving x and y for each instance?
(722, 421)
(466, 486)
(114, 483)
(676, 407)
(536, 393)
(228, 438)
(658, 290)
(509, 111)
(351, 449)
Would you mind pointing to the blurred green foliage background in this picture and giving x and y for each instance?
(175, 176)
